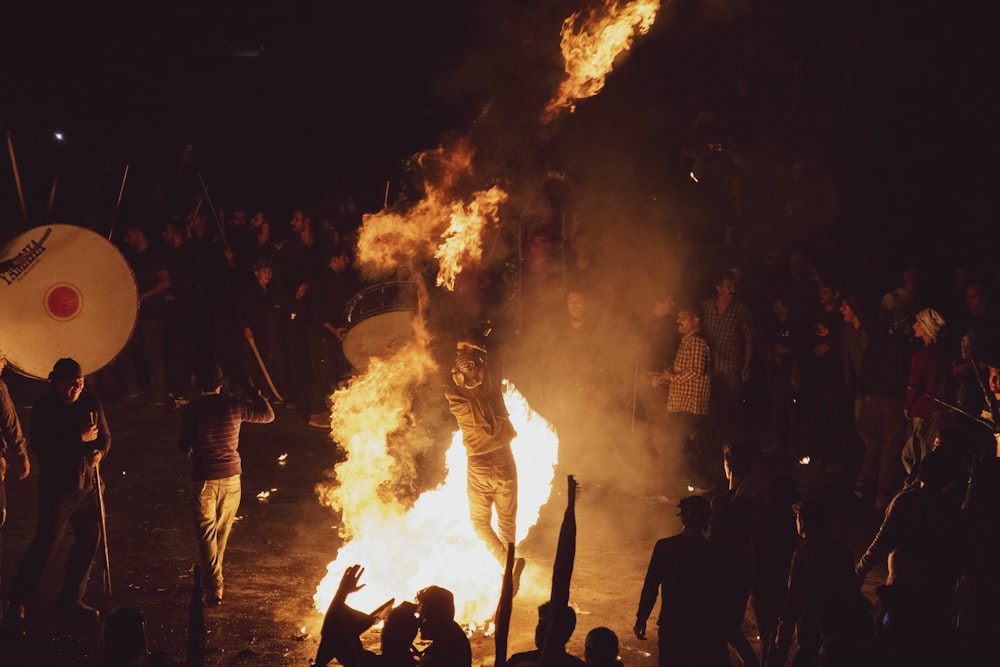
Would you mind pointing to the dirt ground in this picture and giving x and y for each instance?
(280, 548)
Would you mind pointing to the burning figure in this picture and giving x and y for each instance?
(477, 403)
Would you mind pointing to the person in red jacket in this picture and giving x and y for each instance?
(927, 385)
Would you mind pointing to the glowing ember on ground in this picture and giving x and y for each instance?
(591, 45)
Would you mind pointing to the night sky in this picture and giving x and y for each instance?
(285, 100)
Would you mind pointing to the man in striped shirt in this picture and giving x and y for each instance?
(210, 436)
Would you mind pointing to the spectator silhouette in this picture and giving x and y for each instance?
(688, 571)
(450, 646)
(823, 606)
(774, 538)
(922, 540)
(733, 516)
(555, 626)
(343, 626)
(600, 649)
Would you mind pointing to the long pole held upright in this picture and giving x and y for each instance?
(104, 532)
(17, 178)
(118, 203)
(215, 214)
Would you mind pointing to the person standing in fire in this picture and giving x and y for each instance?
(477, 403)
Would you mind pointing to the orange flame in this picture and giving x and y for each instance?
(404, 548)
(590, 49)
(440, 225)
(463, 238)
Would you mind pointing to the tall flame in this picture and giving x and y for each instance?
(402, 546)
(590, 47)
(440, 225)
(405, 548)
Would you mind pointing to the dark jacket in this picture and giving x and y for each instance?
(54, 435)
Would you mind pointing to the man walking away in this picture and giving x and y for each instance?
(210, 435)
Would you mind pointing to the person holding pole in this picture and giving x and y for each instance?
(210, 436)
(70, 437)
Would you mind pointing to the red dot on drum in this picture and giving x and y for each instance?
(63, 302)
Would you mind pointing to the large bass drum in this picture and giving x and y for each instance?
(379, 321)
(65, 291)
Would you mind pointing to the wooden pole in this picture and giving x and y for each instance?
(52, 200)
(17, 177)
(118, 203)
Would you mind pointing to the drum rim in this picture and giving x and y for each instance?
(53, 227)
(394, 307)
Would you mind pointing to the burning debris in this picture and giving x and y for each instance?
(591, 45)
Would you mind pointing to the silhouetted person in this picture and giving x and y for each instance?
(600, 648)
(343, 626)
(449, 644)
(332, 287)
(688, 571)
(733, 516)
(70, 437)
(823, 606)
(555, 626)
(774, 537)
(922, 539)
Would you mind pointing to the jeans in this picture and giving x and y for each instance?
(214, 504)
(491, 481)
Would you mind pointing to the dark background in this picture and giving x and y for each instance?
(314, 99)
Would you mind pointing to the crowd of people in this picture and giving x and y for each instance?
(273, 315)
(892, 385)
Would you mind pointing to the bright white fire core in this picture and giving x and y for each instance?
(432, 543)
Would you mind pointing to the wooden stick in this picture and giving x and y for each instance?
(104, 532)
(17, 177)
(263, 368)
(118, 202)
(215, 214)
(52, 200)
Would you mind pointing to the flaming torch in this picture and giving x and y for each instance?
(590, 46)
